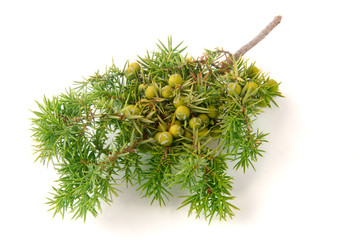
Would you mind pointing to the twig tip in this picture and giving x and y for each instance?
(278, 18)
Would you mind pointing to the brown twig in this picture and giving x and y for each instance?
(258, 38)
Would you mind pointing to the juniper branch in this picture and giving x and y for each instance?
(108, 127)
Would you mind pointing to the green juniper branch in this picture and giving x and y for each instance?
(166, 120)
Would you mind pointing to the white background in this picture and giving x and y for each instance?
(305, 187)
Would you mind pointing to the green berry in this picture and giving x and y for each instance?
(272, 85)
(129, 73)
(263, 104)
(204, 119)
(195, 123)
(253, 70)
(150, 92)
(176, 131)
(132, 70)
(135, 66)
(178, 101)
(175, 80)
(213, 112)
(252, 88)
(182, 113)
(234, 88)
(164, 138)
(166, 91)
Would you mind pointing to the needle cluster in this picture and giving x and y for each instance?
(115, 129)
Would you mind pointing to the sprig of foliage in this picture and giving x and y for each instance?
(105, 129)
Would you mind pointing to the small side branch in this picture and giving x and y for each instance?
(258, 38)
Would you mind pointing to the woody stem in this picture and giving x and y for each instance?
(258, 38)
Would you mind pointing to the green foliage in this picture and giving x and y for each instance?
(101, 132)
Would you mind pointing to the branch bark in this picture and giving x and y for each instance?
(258, 38)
